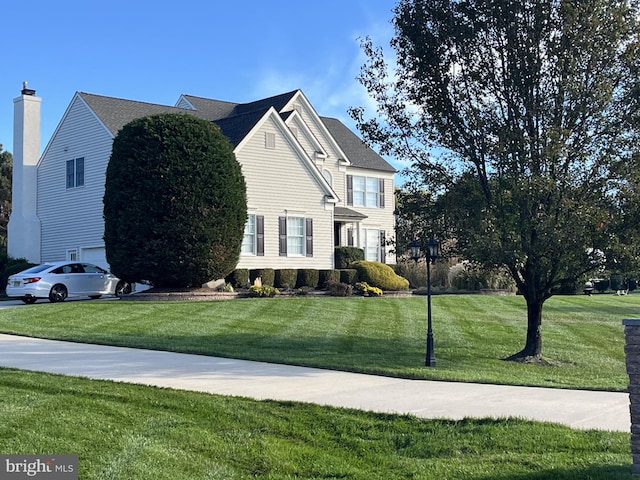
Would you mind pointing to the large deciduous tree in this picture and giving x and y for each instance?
(175, 202)
(520, 117)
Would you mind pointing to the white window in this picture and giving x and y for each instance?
(359, 197)
(72, 255)
(366, 191)
(249, 239)
(371, 192)
(372, 244)
(295, 236)
(75, 173)
(327, 176)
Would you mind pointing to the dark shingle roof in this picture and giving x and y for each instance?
(237, 127)
(344, 212)
(278, 102)
(234, 119)
(211, 109)
(357, 152)
(218, 109)
(115, 113)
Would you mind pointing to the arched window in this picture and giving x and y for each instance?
(327, 176)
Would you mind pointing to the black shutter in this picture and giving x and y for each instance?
(349, 189)
(260, 235)
(282, 231)
(381, 193)
(350, 237)
(383, 250)
(309, 234)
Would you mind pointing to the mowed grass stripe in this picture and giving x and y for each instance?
(122, 431)
(583, 337)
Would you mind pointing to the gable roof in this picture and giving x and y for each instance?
(234, 119)
(115, 113)
(357, 152)
(219, 109)
(237, 127)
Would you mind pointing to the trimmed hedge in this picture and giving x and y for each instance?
(239, 278)
(308, 277)
(349, 276)
(345, 256)
(377, 274)
(286, 278)
(268, 276)
(328, 276)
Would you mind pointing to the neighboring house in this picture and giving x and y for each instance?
(312, 184)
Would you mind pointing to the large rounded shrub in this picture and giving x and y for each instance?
(379, 275)
(175, 202)
(344, 256)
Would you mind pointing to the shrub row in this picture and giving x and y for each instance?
(375, 274)
(290, 278)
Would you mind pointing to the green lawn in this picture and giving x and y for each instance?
(583, 336)
(126, 432)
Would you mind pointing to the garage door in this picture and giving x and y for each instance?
(95, 255)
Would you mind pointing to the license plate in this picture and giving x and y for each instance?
(16, 283)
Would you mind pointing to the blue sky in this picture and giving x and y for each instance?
(155, 50)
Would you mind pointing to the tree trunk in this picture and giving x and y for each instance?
(533, 345)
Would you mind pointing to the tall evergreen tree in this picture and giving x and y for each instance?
(175, 202)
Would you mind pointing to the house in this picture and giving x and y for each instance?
(312, 184)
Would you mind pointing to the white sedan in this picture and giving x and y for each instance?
(57, 281)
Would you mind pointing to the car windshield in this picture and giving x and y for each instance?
(37, 268)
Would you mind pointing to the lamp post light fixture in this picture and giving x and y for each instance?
(431, 254)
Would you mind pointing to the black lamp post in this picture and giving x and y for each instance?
(431, 256)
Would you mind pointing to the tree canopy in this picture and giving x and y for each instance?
(520, 119)
(6, 172)
(175, 202)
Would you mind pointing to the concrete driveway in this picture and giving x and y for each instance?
(427, 399)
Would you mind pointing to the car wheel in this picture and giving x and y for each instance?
(29, 300)
(58, 293)
(123, 288)
(94, 297)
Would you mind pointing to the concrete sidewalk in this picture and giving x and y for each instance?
(427, 399)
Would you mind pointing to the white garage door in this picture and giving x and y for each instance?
(94, 255)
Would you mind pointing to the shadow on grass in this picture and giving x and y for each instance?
(604, 472)
(399, 357)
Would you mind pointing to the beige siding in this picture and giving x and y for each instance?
(377, 218)
(72, 218)
(281, 182)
